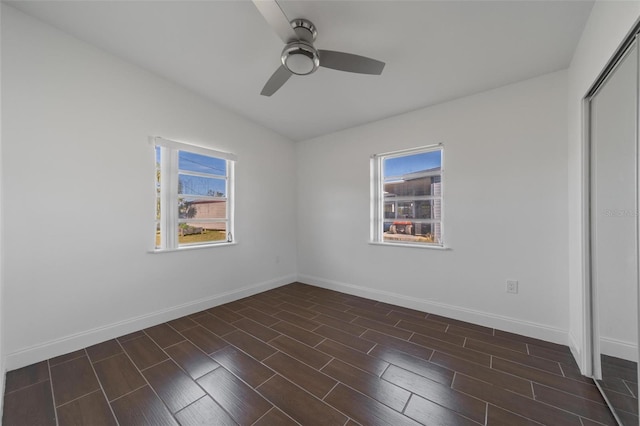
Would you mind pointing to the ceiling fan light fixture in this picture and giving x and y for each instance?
(300, 58)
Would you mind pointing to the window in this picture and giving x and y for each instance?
(194, 195)
(406, 200)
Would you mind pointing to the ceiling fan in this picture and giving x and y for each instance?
(299, 56)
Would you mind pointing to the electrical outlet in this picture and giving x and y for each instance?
(512, 287)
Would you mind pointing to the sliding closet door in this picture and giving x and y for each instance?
(614, 236)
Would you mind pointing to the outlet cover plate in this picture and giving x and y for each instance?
(512, 286)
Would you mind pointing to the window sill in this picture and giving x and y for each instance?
(419, 246)
(194, 247)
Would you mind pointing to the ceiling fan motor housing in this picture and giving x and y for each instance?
(300, 56)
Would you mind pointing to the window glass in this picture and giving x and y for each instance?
(193, 199)
(407, 200)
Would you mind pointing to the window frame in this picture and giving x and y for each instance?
(377, 210)
(167, 194)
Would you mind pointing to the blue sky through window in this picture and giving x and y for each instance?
(198, 185)
(188, 161)
(397, 166)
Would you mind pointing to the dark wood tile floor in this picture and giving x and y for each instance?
(620, 384)
(305, 355)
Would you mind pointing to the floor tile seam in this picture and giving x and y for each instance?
(130, 338)
(467, 338)
(352, 335)
(447, 352)
(400, 312)
(329, 391)
(247, 353)
(27, 386)
(608, 390)
(53, 396)
(572, 380)
(489, 404)
(569, 411)
(290, 322)
(103, 359)
(492, 384)
(104, 394)
(450, 409)
(415, 334)
(126, 394)
(406, 404)
(72, 359)
(81, 396)
(147, 381)
(175, 329)
(507, 408)
(311, 308)
(142, 370)
(328, 362)
(486, 413)
(304, 363)
(174, 344)
(190, 404)
(629, 388)
(421, 325)
(386, 368)
(215, 401)
(303, 390)
(267, 412)
(291, 337)
(366, 396)
(412, 392)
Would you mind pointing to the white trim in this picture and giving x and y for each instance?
(414, 245)
(575, 348)
(183, 146)
(619, 348)
(194, 246)
(585, 362)
(66, 344)
(408, 151)
(500, 322)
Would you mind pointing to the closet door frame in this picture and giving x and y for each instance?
(591, 355)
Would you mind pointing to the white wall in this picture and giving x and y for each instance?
(79, 197)
(505, 210)
(609, 23)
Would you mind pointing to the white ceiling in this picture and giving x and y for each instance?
(434, 50)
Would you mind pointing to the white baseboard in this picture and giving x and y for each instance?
(619, 349)
(583, 364)
(512, 325)
(86, 338)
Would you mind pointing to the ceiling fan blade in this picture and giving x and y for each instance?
(349, 62)
(273, 14)
(276, 81)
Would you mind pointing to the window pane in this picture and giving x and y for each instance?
(418, 209)
(410, 231)
(408, 164)
(389, 210)
(413, 187)
(201, 232)
(188, 161)
(197, 185)
(157, 183)
(199, 208)
(412, 198)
